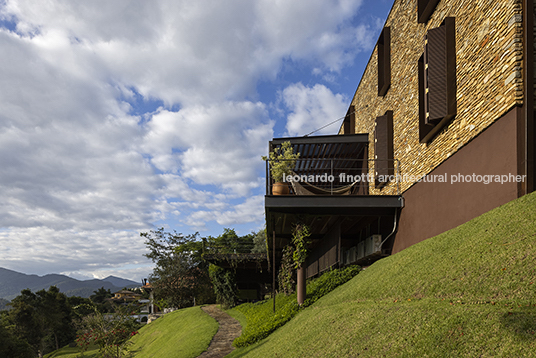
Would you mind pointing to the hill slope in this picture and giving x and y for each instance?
(470, 292)
(12, 282)
(185, 333)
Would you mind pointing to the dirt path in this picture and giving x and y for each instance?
(229, 329)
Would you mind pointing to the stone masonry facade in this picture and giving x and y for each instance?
(488, 74)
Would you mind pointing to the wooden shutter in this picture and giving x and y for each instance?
(425, 8)
(437, 80)
(384, 61)
(383, 147)
(435, 59)
(349, 121)
(424, 127)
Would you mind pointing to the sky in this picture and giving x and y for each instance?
(120, 117)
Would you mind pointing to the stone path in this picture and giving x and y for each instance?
(229, 329)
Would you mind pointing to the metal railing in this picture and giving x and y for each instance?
(311, 176)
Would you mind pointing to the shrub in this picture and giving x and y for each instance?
(224, 284)
(261, 320)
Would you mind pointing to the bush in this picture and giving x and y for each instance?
(326, 283)
(261, 320)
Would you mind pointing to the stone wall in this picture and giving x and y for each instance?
(488, 74)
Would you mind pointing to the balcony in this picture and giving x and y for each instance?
(341, 194)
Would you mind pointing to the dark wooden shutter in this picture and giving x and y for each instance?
(425, 9)
(384, 61)
(349, 121)
(435, 59)
(437, 80)
(383, 147)
(424, 127)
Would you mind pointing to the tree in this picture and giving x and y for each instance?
(10, 344)
(43, 319)
(110, 331)
(259, 242)
(180, 274)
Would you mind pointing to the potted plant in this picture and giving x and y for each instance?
(282, 161)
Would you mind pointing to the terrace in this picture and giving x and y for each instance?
(342, 195)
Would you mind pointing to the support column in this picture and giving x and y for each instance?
(300, 285)
(273, 268)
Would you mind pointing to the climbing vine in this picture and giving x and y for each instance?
(286, 272)
(299, 239)
(224, 283)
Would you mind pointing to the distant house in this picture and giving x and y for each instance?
(440, 130)
(125, 296)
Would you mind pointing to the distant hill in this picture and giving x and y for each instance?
(12, 282)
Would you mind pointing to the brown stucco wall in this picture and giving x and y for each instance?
(432, 208)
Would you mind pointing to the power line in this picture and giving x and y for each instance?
(330, 123)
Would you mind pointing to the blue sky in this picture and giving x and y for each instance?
(120, 117)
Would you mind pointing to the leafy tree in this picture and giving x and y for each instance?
(110, 331)
(100, 295)
(180, 274)
(259, 242)
(10, 344)
(43, 319)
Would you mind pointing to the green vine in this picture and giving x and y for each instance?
(299, 239)
(285, 276)
(224, 284)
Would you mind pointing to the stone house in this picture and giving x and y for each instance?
(440, 130)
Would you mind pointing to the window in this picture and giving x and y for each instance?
(437, 80)
(425, 8)
(383, 149)
(384, 61)
(349, 121)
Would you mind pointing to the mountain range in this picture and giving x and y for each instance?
(12, 282)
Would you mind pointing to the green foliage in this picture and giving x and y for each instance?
(469, 292)
(43, 319)
(110, 331)
(259, 242)
(300, 234)
(230, 243)
(261, 320)
(285, 276)
(180, 274)
(282, 161)
(321, 286)
(224, 283)
(11, 345)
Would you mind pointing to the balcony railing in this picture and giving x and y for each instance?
(312, 176)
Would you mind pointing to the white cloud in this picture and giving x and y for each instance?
(312, 108)
(82, 173)
(216, 144)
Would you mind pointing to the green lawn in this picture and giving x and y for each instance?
(470, 292)
(183, 333)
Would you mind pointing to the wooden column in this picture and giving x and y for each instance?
(273, 269)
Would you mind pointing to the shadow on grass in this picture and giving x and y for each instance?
(521, 323)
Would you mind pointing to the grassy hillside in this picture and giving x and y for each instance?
(183, 333)
(470, 292)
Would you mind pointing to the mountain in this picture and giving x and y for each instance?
(12, 282)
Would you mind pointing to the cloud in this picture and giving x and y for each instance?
(86, 164)
(312, 108)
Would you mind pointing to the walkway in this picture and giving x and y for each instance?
(229, 329)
